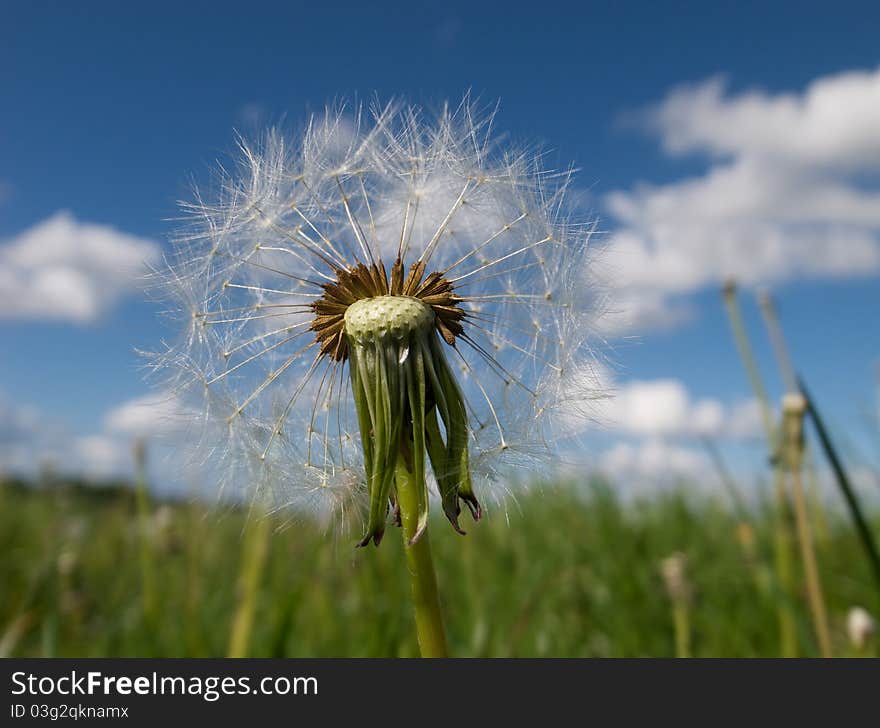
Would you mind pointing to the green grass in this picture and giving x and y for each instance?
(569, 571)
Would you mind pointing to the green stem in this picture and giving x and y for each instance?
(682, 621)
(144, 516)
(783, 556)
(420, 564)
(862, 528)
(783, 541)
(815, 595)
(254, 551)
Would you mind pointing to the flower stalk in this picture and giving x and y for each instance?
(420, 565)
(794, 408)
(783, 540)
(145, 536)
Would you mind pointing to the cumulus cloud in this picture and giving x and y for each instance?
(833, 123)
(649, 417)
(744, 420)
(787, 195)
(653, 463)
(31, 439)
(661, 407)
(101, 456)
(154, 418)
(17, 423)
(150, 415)
(63, 269)
(665, 408)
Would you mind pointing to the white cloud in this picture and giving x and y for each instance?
(784, 198)
(744, 419)
(649, 408)
(31, 440)
(638, 307)
(664, 408)
(654, 462)
(101, 456)
(17, 422)
(63, 269)
(833, 123)
(150, 415)
(155, 417)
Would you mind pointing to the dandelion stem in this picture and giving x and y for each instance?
(678, 588)
(811, 569)
(783, 562)
(794, 408)
(780, 349)
(748, 361)
(682, 621)
(782, 529)
(420, 564)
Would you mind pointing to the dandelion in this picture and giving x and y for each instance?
(388, 305)
(860, 628)
(673, 569)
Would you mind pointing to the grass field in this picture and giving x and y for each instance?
(568, 571)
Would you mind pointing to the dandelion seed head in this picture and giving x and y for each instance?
(301, 226)
(860, 627)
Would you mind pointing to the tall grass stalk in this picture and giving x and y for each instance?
(782, 539)
(765, 586)
(145, 536)
(863, 529)
(196, 535)
(741, 338)
(814, 496)
(794, 409)
(773, 324)
(777, 339)
(811, 570)
(13, 633)
(255, 548)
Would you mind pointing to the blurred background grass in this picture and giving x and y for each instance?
(568, 570)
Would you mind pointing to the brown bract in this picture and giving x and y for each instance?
(363, 281)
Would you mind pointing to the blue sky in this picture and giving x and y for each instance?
(108, 111)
